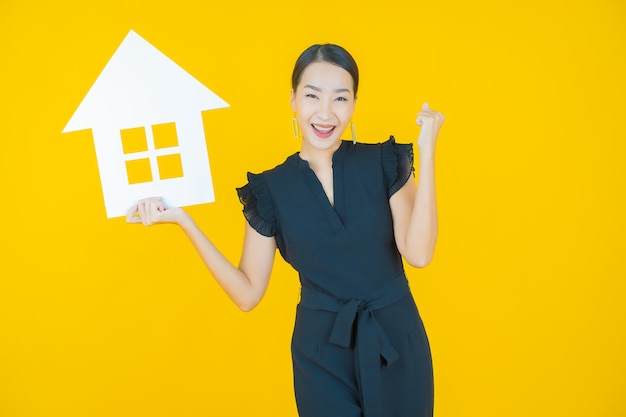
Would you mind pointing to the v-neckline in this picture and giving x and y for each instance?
(333, 212)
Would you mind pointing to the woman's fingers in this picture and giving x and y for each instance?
(132, 215)
(147, 211)
(424, 114)
(155, 208)
(144, 213)
(430, 122)
(430, 115)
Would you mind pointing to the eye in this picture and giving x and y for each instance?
(341, 99)
(311, 95)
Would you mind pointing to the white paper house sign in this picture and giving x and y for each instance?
(145, 115)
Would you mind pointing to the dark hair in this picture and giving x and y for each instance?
(330, 53)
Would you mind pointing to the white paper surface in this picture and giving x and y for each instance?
(141, 87)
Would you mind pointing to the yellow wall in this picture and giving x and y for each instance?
(524, 303)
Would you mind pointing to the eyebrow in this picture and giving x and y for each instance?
(339, 90)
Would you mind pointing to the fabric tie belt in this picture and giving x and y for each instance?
(373, 347)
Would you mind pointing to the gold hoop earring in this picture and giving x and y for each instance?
(295, 129)
(353, 133)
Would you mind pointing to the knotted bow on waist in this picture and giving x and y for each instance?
(372, 345)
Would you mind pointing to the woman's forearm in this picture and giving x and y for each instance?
(423, 225)
(245, 284)
(245, 291)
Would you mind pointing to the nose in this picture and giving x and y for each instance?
(324, 110)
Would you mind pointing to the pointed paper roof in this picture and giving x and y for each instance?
(141, 86)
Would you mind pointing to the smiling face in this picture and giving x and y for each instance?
(324, 103)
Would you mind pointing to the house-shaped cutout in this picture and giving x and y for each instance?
(145, 115)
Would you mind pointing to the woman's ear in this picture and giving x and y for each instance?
(292, 100)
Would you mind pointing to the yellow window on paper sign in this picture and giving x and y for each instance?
(164, 135)
(134, 140)
(138, 171)
(170, 166)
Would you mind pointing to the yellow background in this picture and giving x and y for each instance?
(524, 303)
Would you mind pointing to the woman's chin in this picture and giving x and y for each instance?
(322, 144)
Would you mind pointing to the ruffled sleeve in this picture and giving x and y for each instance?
(257, 205)
(397, 160)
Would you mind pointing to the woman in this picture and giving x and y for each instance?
(343, 214)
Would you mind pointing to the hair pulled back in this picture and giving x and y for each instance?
(333, 54)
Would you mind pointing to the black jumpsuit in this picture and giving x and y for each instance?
(359, 347)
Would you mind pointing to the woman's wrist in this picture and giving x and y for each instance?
(183, 219)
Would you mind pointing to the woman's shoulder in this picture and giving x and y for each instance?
(387, 150)
(277, 177)
(289, 164)
(388, 144)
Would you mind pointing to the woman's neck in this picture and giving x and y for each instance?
(318, 158)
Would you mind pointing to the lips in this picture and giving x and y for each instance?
(323, 131)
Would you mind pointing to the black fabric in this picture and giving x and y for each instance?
(347, 260)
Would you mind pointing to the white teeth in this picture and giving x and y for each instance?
(323, 129)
